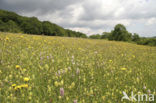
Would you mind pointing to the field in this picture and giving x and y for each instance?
(44, 69)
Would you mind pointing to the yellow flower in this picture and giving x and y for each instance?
(26, 79)
(6, 38)
(110, 60)
(59, 97)
(24, 85)
(123, 68)
(61, 83)
(84, 79)
(73, 84)
(20, 86)
(18, 67)
(56, 83)
(13, 85)
(17, 87)
(91, 92)
(22, 36)
(67, 98)
(103, 97)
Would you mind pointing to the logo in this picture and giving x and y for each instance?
(138, 97)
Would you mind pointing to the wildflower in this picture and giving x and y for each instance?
(110, 60)
(62, 92)
(59, 97)
(46, 66)
(56, 83)
(123, 69)
(149, 91)
(103, 97)
(61, 83)
(144, 87)
(26, 79)
(154, 92)
(84, 79)
(67, 98)
(24, 85)
(91, 92)
(73, 84)
(75, 101)
(13, 85)
(30, 97)
(6, 38)
(18, 67)
(17, 87)
(22, 36)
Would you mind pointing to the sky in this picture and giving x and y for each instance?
(90, 16)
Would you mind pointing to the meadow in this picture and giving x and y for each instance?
(45, 69)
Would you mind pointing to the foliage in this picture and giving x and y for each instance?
(120, 33)
(135, 37)
(147, 41)
(96, 36)
(106, 35)
(12, 22)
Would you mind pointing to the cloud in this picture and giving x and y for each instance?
(151, 21)
(90, 16)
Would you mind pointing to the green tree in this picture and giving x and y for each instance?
(9, 26)
(96, 36)
(120, 33)
(12, 22)
(135, 37)
(32, 26)
(105, 35)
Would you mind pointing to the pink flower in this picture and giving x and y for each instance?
(75, 101)
(149, 91)
(62, 92)
(144, 87)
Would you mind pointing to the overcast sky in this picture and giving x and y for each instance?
(91, 16)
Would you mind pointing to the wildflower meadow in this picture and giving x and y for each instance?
(45, 69)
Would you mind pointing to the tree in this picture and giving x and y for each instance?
(48, 28)
(105, 35)
(135, 37)
(120, 33)
(32, 26)
(12, 22)
(9, 26)
(96, 36)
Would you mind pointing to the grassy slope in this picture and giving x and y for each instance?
(94, 66)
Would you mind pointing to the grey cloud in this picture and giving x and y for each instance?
(92, 15)
(43, 6)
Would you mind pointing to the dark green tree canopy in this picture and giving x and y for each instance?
(12, 22)
(120, 33)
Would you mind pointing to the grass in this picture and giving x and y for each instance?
(43, 69)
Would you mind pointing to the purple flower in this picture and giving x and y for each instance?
(47, 57)
(62, 92)
(149, 91)
(75, 101)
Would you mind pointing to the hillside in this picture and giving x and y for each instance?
(41, 69)
(12, 22)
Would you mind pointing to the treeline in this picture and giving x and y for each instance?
(120, 33)
(12, 22)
